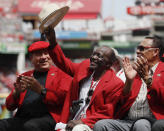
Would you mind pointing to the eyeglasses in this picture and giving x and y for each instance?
(142, 48)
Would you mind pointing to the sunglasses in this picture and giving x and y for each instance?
(142, 48)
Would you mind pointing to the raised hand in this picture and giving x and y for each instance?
(130, 72)
(142, 67)
(51, 36)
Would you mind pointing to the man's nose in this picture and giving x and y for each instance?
(94, 57)
(137, 51)
(43, 55)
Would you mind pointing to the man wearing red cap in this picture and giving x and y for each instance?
(38, 95)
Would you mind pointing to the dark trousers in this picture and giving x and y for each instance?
(44, 123)
(158, 125)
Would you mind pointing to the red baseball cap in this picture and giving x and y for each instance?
(38, 46)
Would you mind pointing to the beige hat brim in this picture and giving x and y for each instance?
(53, 19)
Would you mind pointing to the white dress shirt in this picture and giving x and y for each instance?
(84, 89)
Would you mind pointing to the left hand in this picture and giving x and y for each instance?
(31, 83)
(51, 36)
(142, 67)
(73, 123)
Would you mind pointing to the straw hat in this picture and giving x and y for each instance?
(51, 15)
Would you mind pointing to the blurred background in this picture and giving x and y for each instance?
(120, 24)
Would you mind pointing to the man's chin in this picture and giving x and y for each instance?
(44, 68)
(92, 68)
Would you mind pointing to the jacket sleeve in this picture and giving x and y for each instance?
(11, 103)
(62, 62)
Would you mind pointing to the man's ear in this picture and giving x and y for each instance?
(108, 65)
(30, 56)
(156, 52)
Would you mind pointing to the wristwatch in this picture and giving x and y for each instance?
(43, 92)
(148, 81)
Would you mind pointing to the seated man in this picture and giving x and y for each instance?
(142, 98)
(95, 86)
(38, 95)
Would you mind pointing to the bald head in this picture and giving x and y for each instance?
(102, 58)
(109, 53)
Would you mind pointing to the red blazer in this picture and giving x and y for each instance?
(155, 95)
(57, 84)
(104, 97)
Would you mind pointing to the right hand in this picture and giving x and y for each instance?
(130, 72)
(51, 36)
(142, 67)
(18, 88)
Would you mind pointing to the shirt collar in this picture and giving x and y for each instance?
(154, 67)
